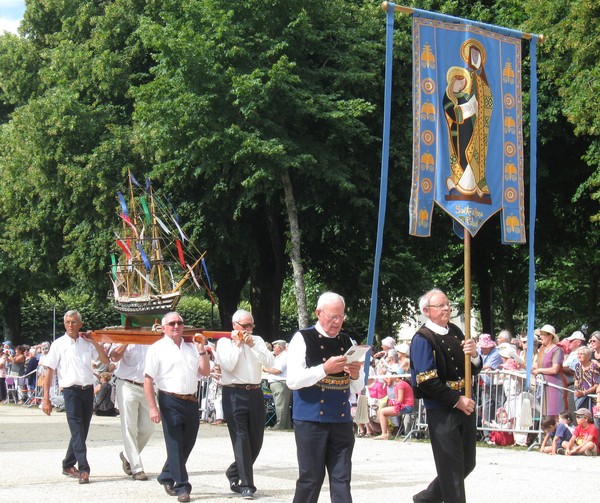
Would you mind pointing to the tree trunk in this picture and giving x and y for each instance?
(295, 250)
(11, 318)
(267, 274)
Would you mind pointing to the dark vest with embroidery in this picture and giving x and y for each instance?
(327, 400)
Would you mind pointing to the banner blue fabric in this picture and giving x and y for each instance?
(468, 135)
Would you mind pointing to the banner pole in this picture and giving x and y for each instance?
(467, 258)
(410, 11)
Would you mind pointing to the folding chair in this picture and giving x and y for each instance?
(12, 391)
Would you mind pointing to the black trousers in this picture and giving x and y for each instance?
(244, 411)
(180, 422)
(453, 441)
(323, 446)
(79, 406)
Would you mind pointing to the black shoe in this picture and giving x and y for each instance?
(169, 490)
(235, 487)
(247, 494)
(185, 496)
(126, 465)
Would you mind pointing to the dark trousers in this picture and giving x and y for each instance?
(453, 441)
(3, 393)
(323, 446)
(244, 411)
(79, 406)
(180, 421)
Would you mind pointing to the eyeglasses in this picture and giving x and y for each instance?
(441, 306)
(246, 326)
(335, 317)
(175, 323)
(580, 416)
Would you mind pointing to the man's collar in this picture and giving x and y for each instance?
(436, 328)
(319, 329)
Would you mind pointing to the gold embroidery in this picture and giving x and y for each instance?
(335, 383)
(425, 376)
(456, 385)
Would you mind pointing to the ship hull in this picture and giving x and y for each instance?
(147, 305)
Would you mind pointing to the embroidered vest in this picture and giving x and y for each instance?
(327, 400)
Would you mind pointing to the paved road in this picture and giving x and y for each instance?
(33, 445)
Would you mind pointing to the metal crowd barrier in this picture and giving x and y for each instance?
(505, 404)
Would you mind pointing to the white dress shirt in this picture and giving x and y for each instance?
(173, 368)
(131, 366)
(243, 364)
(72, 361)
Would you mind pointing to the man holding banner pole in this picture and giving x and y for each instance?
(437, 363)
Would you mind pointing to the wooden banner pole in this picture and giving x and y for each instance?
(409, 10)
(467, 258)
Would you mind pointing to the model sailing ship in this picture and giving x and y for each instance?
(157, 260)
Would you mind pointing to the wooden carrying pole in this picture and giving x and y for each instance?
(467, 258)
(147, 336)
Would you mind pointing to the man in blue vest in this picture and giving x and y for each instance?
(322, 381)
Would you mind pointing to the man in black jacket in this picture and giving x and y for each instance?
(437, 364)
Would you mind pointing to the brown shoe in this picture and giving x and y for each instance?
(184, 497)
(125, 463)
(140, 476)
(71, 472)
(169, 490)
(84, 478)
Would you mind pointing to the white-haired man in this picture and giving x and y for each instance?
(241, 359)
(437, 355)
(282, 395)
(175, 367)
(322, 381)
(71, 357)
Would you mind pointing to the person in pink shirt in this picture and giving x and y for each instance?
(402, 404)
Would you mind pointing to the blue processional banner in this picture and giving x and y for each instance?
(468, 135)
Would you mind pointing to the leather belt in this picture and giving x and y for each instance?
(77, 386)
(132, 382)
(189, 398)
(243, 386)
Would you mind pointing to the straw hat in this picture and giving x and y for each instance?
(547, 329)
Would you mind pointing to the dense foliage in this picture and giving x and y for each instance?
(220, 103)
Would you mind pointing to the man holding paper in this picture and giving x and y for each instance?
(322, 380)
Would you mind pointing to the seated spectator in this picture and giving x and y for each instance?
(402, 403)
(498, 435)
(585, 437)
(378, 390)
(557, 435)
(103, 404)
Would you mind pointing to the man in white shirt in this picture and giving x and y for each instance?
(175, 367)
(136, 425)
(282, 395)
(241, 359)
(71, 357)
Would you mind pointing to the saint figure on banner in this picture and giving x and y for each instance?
(468, 105)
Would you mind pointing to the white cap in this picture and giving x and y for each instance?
(576, 336)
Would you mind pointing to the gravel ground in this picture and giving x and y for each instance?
(33, 446)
